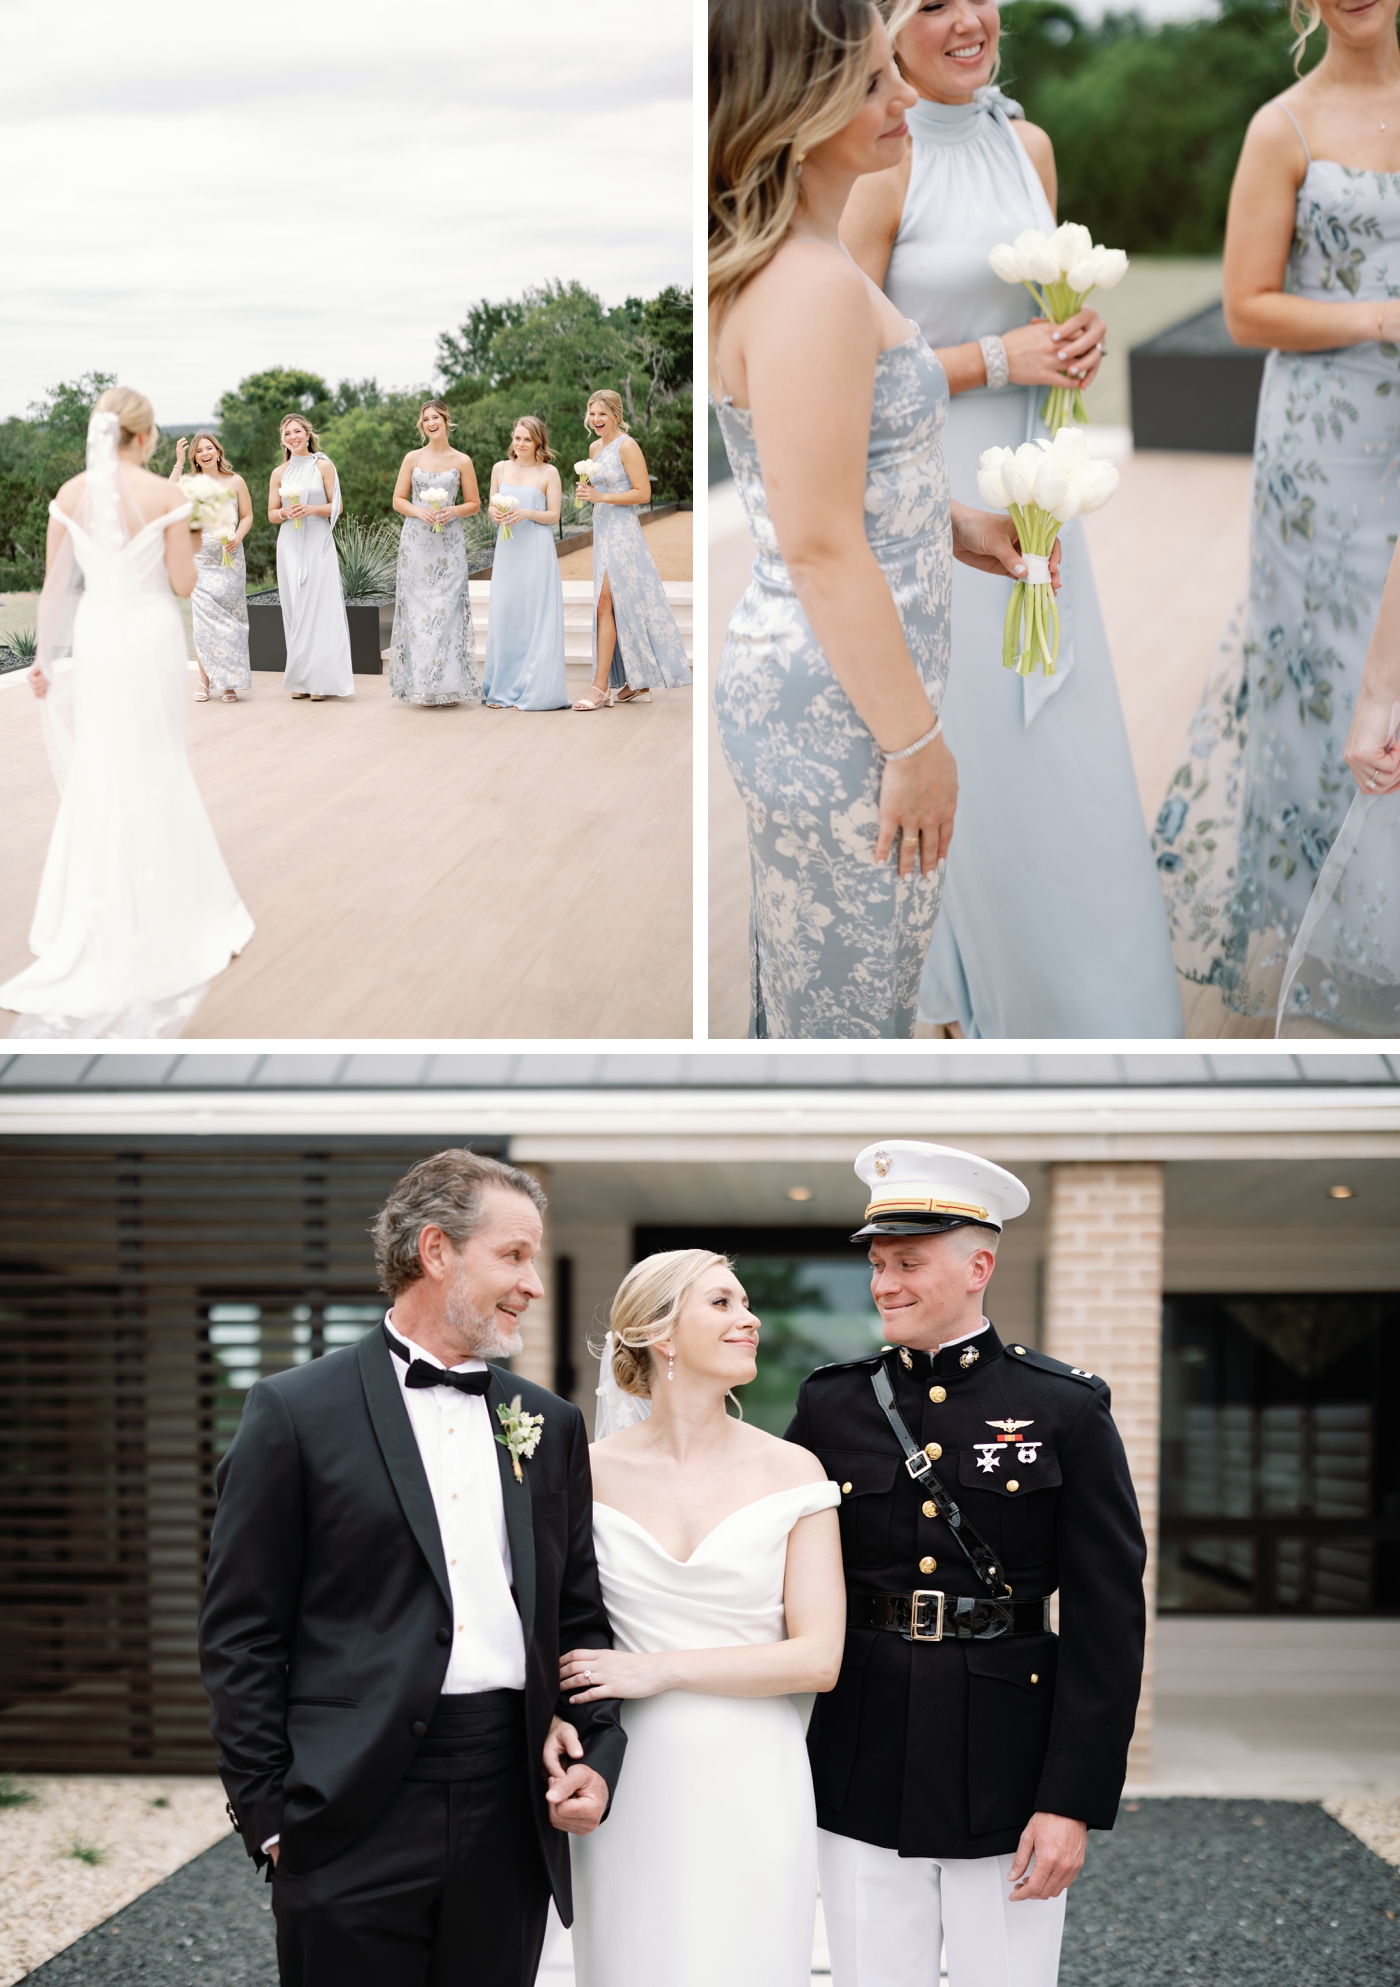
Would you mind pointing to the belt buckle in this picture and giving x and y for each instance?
(918, 1465)
(916, 1634)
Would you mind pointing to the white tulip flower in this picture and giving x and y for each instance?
(1112, 268)
(1037, 259)
(1052, 485)
(1070, 244)
(1096, 485)
(1007, 263)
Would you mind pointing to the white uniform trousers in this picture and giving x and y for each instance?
(888, 1916)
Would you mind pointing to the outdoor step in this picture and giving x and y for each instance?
(578, 616)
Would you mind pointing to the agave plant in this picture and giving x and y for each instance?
(369, 556)
(24, 643)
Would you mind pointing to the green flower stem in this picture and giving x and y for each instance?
(1031, 630)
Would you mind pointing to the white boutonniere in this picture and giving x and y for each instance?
(520, 1433)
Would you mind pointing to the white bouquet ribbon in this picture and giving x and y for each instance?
(1060, 270)
(1042, 485)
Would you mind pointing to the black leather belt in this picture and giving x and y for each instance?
(927, 1615)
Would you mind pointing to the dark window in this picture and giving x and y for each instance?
(1280, 1488)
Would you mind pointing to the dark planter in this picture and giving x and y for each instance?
(369, 620)
(1194, 388)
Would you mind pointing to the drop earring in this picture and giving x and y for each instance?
(670, 1365)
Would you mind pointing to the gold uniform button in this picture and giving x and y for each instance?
(845, 1490)
(1034, 1677)
(930, 1509)
(933, 1450)
(928, 1565)
(937, 1394)
(1013, 1485)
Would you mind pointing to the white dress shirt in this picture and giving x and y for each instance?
(457, 1444)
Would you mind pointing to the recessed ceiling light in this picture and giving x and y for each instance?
(1339, 1193)
(799, 1193)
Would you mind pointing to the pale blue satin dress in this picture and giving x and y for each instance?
(525, 631)
(1052, 921)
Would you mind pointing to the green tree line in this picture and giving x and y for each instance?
(542, 353)
(1147, 120)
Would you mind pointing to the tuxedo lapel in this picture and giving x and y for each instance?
(520, 1521)
(395, 1433)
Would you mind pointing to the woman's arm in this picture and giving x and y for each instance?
(1371, 750)
(179, 556)
(553, 501)
(872, 217)
(177, 467)
(1258, 238)
(814, 1602)
(634, 462)
(275, 512)
(471, 495)
(245, 511)
(324, 467)
(403, 492)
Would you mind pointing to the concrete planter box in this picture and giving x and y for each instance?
(1194, 388)
(371, 623)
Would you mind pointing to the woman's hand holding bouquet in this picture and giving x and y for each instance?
(1042, 485)
(1060, 270)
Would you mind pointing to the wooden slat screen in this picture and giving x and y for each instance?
(141, 1293)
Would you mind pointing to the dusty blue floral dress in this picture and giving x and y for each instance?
(836, 945)
(432, 651)
(1253, 809)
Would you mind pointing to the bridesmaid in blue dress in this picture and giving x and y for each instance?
(432, 651)
(1312, 270)
(525, 634)
(636, 643)
(1052, 919)
(836, 657)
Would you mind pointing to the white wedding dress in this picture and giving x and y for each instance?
(137, 911)
(705, 1872)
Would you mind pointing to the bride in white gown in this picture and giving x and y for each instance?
(137, 911)
(720, 1557)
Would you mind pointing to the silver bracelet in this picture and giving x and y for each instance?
(918, 745)
(995, 360)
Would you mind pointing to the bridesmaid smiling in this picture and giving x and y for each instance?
(432, 651)
(219, 604)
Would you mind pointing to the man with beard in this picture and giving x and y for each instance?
(402, 1550)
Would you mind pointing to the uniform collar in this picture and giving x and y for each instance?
(948, 1362)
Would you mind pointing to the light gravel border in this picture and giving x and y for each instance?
(48, 1897)
(1376, 1823)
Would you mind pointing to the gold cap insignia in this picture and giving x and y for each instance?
(882, 1163)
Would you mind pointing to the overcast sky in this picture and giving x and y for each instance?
(192, 192)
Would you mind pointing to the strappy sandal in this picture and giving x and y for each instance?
(301, 696)
(229, 697)
(594, 699)
(631, 696)
(201, 696)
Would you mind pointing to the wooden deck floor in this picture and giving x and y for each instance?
(421, 873)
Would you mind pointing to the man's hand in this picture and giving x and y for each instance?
(1052, 1849)
(577, 1796)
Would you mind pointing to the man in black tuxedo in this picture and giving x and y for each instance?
(397, 1562)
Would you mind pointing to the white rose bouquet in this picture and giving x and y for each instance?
(510, 505)
(1042, 485)
(215, 508)
(435, 499)
(1060, 270)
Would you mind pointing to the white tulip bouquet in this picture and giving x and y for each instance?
(584, 471)
(215, 508)
(435, 499)
(510, 505)
(1060, 270)
(1042, 485)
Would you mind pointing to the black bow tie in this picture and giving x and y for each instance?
(421, 1374)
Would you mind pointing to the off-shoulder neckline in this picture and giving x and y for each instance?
(599, 1505)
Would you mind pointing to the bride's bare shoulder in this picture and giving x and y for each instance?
(788, 1465)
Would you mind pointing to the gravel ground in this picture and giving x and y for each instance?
(1210, 1893)
(138, 1829)
(209, 1924)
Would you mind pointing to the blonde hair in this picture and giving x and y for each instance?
(612, 401)
(538, 434)
(442, 408)
(132, 409)
(1306, 17)
(897, 14)
(313, 440)
(223, 464)
(784, 75)
(649, 1300)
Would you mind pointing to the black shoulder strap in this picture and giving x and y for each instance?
(974, 1547)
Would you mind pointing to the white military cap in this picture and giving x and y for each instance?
(918, 1189)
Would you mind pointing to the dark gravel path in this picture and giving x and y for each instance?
(207, 1925)
(1231, 1894)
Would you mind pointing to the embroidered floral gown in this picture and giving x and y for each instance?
(836, 945)
(1256, 803)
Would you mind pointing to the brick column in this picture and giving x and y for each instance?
(1103, 1310)
(535, 1360)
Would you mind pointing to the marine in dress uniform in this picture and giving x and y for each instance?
(958, 1715)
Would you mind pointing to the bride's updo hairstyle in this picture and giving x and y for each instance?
(784, 75)
(313, 440)
(132, 409)
(437, 407)
(538, 433)
(648, 1302)
(612, 401)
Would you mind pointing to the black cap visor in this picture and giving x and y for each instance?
(919, 1224)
